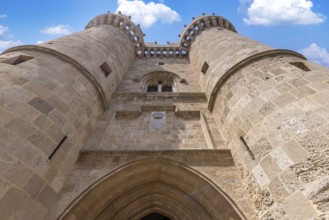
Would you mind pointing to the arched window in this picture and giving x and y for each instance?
(159, 82)
(152, 88)
(167, 89)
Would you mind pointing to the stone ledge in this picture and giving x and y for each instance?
(193, 157)
(196, 95)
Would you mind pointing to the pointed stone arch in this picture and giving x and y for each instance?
(138, 189)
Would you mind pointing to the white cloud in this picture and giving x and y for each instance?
(40, 41)
(3, 29)
(5, 44)
(244, 4)
(316, 54)
(276, 12)
(57, 30)
(6, 39)
(147, 14)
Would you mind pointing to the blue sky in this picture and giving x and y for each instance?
(299, 25)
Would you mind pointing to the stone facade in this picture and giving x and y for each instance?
(101, 125)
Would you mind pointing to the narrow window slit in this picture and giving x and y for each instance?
(247, 148)
(17, 59)
(301, 66)
(57, 148)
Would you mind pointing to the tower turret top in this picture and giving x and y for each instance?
(179, 49)
(201, 23)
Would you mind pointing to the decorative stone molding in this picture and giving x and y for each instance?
(162, 51)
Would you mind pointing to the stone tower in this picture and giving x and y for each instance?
(100, 125)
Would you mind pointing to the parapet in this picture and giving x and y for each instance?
(122, 22)
(201, 23)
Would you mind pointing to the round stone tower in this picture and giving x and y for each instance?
(101, 125)
(51, 97)
(270, 108)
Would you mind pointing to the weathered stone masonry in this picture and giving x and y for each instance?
(101, 125)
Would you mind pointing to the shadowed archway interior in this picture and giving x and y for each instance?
(151, 189)
(155, 216)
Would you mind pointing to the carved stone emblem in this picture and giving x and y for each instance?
(158, 120)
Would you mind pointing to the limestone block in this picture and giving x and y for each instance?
(260, 175)
(34, 185)
(277, 189)
(20, 127)
(18, 206)
(281, 158)
(270, 167)
(298, 207)
(37, 89)
(290, 181)
(284, 99)
(41, 105)
(303, 92)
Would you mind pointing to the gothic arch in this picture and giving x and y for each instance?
(140, 188)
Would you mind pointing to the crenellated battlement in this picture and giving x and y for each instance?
(153, 50)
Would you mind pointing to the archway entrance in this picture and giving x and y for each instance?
(155, 216)
(153, 189)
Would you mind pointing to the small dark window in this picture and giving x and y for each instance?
(167, 89)
(161, 63)
(152, 89)
(301, 66)
(17, 59)
(204, 68)
(183, 81)
(106, 69)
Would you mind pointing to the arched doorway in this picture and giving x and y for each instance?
(165, 187)
(155, 216)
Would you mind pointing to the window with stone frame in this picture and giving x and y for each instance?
(159, 82)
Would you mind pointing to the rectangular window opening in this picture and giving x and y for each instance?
(247, 148)
(301, 66)
(161, 63)
(57, 148)
(204, 67)
(106, 69)
(17, 59)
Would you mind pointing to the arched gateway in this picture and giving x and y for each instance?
(153, 187)
(102, 125)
